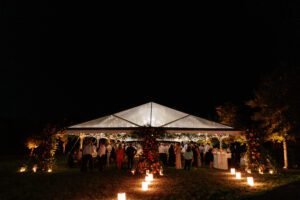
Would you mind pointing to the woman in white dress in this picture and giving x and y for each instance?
(178, 156)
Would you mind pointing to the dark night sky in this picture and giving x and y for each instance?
(80, 61)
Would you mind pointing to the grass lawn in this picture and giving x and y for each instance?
(66, 183)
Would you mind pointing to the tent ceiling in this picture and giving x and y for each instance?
(153, 115)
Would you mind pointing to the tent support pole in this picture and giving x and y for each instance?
(81, 136)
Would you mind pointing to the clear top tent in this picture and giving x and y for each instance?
(151, 115)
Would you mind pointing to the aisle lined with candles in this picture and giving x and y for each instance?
(201, 183)
(235, 180)
(248, 176)
(145, 184)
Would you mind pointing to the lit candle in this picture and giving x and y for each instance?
(22, 169)
(271, 171)
(49, 170)
(250, 181)
(144, 186)
(238, 175)
(133, 172)
(232, 171)
(151, 177)
(248, 171)
(147, 179)
(161, 171)
(121, 196)
(34, 169)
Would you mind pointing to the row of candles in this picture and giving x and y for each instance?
(238, 175)
(250, 179)
(145, 184)
(34, 169)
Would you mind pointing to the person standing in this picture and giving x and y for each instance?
(161, 153)
(87, 158)
(195, 155)
(130, 152)
(210, 158)
(198, 156)
(171, 155)
(113, 155)
(201, 148)
(188, 157)
(108, 153)
(101, 156)
(71, 159)
(178, 156)
(120, 156)
(206, 149)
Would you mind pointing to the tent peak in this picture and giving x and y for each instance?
(154, 115)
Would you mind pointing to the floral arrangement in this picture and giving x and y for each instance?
(257, 157)
(43, 148)
(149, 160)
(253, 151)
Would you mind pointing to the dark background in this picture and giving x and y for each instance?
(72, 62)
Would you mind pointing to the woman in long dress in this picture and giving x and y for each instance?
(120, 156)
(178, 156)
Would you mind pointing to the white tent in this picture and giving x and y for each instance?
(152, 115)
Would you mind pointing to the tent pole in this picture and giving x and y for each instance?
(81, 136)
(98, 139)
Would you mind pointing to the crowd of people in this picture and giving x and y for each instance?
(191, 154)
(105, 155)
(178, 155)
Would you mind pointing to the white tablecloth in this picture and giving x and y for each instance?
(220, 160)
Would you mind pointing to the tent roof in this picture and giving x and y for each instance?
(153, 115)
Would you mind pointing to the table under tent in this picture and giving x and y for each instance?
(181, 126)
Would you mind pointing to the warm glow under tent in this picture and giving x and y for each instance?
(152, 115)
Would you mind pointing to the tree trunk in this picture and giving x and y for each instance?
(31, 151)
(64, 147)
(97, 140)
(285, 154)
